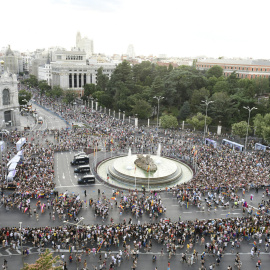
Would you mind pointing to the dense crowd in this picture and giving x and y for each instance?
(221, 174)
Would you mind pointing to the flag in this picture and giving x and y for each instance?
(112, 198)
(26, 208)
(195, 153)
(148, 168)
(121, 206)
(187, 204)
(193, 148)
(111, 140)
(135, 169)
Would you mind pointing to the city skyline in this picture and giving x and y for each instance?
(174, 28)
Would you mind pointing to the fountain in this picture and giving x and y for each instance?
(129, 166)
(124, 174)
(159, 150)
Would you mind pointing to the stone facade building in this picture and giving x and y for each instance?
(249, 69)
(70, 70)
(9, 102)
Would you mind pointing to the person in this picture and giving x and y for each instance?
(85, 193)
(258, 264)
(65, 266)
(154, 258)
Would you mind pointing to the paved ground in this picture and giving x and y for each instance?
(66, 180)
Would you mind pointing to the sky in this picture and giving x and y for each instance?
(191, 28)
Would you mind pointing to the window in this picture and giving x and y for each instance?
(6, 97)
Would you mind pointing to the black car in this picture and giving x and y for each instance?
(80, 160)
(82, 169)
(87, 179)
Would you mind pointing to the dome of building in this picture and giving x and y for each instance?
(9, 52)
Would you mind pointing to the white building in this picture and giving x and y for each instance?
(9, 102)
(45, 73)
(84, 44)
(131, 51)
(70, 71)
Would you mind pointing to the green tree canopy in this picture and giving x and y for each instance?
(168, 121)
(184, 111)
(216, 71)
(142, 108)
(240, 128)
(46, 261)
(198, 121)
(24, 97)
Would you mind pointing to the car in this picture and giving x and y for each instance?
(87, 179)
(40, 120)
(80, 154)
(80, 160)
(82, 169)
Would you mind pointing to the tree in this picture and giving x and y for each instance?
(56, 92)
(198, 121)
(258, 123)
(24, 97)
(46, 261)
(197, 97)
(43, 86)
(70, 96)
(184, 111)
(240, 128)
(216, 71)
(221, 86)
(89, 89)
(142, 108)
(168, 121)
(102, 80)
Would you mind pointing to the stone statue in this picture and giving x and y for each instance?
(146, 163)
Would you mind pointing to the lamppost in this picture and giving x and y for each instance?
(77, 244)
(206, 102)
(123, 116)
(119, 114)
(158, 99)
(21, 240)
(249, 111)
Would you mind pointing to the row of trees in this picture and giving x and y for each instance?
(132, 89)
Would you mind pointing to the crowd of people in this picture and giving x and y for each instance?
(220, 175)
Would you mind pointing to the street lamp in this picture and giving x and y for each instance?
(158, 99)
(77, 244)
(249, 111)
(206, 102)
(119, 114)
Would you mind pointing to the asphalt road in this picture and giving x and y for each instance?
(66, 181)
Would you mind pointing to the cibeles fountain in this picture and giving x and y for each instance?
(150, 172)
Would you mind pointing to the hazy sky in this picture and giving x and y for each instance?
(215, 28)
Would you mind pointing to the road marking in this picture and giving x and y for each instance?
(64, 176)
(187, 212)
(7, 250)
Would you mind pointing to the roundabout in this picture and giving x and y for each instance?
(121, 171)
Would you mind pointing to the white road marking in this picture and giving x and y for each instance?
(187, 212)
(64, 176)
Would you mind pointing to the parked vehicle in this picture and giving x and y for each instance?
(82, 169)
(87, 179)
(80, 160)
